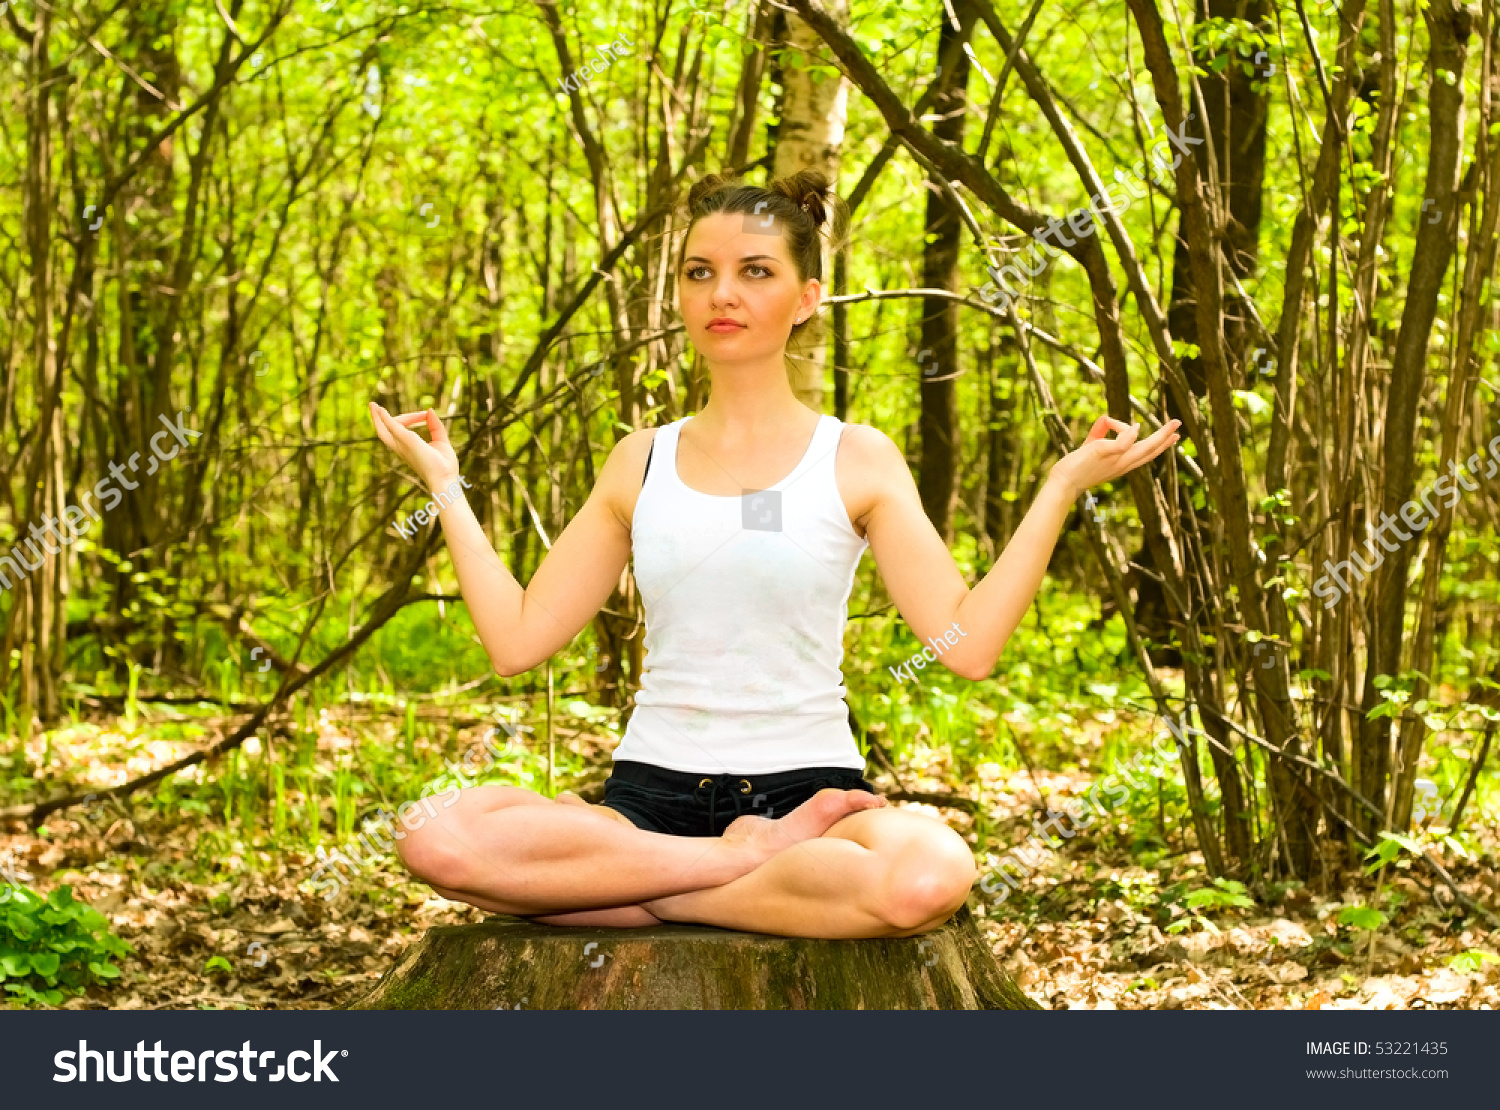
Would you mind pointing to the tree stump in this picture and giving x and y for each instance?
(507, 963)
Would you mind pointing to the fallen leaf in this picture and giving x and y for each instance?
(1445, 985)
(1289, 972)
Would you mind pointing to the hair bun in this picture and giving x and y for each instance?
(709, 183)
(808, 190)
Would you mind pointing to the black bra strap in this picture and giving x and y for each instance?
(648, 462)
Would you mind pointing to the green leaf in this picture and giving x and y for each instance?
(1383, 853)
(61, 898)
(1406, 842)
(1362, 917)
(46, 963)
(1472, 960)
(15, 964)
(217, 962)
(1458, 848)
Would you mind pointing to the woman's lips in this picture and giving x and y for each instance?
(725, 326)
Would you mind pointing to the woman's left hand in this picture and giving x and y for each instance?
(1099, 459)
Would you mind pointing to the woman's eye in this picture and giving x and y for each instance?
(754, 270)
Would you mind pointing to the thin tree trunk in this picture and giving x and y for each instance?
(810, 136)
(937, 359)
(1449, 25)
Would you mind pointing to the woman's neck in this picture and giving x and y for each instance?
(752, 406)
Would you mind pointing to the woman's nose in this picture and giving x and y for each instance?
(723, 292)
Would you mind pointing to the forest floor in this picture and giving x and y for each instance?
(1094, 927)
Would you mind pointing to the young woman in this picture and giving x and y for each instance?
(736, 797)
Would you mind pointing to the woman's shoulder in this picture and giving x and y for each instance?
(868, 446)
(868, 466)
(631, 449)
(624, 471)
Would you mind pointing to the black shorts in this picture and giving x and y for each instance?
(683, 803)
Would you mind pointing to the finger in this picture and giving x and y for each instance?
(393, 431)
(1150, 448)
(435, 428)
(1163, 438)
(398, 425)
(1126, 437)
(1161, 435)
(378, 416)
(402, 440)
(1103, 425)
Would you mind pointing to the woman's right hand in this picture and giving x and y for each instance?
(435, 462)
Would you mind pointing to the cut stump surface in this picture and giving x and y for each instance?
(508, 963)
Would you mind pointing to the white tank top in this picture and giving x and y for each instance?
(746, 599)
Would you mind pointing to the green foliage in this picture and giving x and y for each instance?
(1473, 960)
(1389, 846)
(1224, 893)
(55, 946)
(1362, 917)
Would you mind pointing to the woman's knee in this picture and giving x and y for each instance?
(434, 853)
(438, 843)
(930, 878)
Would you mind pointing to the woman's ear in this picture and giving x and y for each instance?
(812, 297)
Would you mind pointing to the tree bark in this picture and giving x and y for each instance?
(943, 234)
(1449, 24)
(810, 136)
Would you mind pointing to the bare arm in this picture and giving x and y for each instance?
(523, 626)
(919, 572)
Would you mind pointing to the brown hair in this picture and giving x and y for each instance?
(799, 205)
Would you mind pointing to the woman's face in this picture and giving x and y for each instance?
(738, 289)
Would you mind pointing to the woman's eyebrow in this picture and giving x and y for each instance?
(747, 258)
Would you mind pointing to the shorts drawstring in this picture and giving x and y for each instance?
(738, 788)
(735, 786)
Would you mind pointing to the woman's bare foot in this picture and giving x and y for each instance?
(812, 818)
(611, 917)
(568, 798)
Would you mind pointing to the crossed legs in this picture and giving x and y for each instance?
(876, 873)
(842, 865)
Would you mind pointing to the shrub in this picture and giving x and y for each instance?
(54, 947)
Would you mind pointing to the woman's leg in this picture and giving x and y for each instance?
(509, 850)
(877, 873)
(613, 917)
